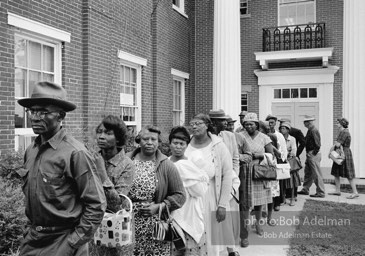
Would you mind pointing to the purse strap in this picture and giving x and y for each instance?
(160, 212)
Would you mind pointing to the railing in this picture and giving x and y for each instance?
(303, 36)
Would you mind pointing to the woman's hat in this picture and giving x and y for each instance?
(343, 121)
(47, 93)
(285, 124)
(230, 120)
(217, 114)
(251, 117)
(308, 118)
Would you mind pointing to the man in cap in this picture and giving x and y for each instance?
(242, 116)
(230, 124)
(312, 169)
(64, 198)
(297, 134)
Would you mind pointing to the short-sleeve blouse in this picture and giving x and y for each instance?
(258, 143)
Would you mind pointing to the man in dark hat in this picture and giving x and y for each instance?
(242, 116)
(64, 199)
(312, 169)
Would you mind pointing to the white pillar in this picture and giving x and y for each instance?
(354, 78)
(227, 57)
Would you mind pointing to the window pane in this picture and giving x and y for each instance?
(310, 13)
(312, 92)
(20, 83)
(48, 58)
(303, 92)
(277, 93)
(34, 77)
(20, 52)
(134, 76)
(127, 78)
(48, 77)
(35, 55)
(294, 93)
(121, 73)
(301, 14)
(286, 93)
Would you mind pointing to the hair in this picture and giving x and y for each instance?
(206, 119)
(150, 128)
(343, 121)
(119, 128)
(263, 126)
(181, 133)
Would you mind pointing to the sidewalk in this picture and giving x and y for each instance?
(281, 250)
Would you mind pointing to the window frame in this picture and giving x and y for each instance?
(181, 77)
(247, 15)
(180, 8)
(34, 31)
(244, 107)
(296, 3)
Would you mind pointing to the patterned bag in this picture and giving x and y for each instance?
(116, 229)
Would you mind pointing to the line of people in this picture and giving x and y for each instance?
(206, 183)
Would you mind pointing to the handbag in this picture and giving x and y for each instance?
(115, 229)
(168, 230)
(337, 155)
(295, 164)
(263, 172)
(282, 171)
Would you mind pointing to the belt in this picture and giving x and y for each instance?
(51, 229)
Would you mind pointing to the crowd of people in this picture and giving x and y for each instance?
(206, 183)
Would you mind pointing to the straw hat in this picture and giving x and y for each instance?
(251, 117)
(308, 118)
(217, 114)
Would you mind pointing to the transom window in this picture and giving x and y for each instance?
(295, 93)
(294, 12)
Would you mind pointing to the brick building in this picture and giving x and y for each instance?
(160, 62)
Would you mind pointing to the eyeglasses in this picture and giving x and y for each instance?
(39, 113)
(197, 123)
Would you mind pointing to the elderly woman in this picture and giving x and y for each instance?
(347, 169)
(293, 183)
(259, 193)
(209, 153)
(157, 181)
(195, 180)
(115, 169)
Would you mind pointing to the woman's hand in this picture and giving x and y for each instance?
(221, 214)
(150, 209)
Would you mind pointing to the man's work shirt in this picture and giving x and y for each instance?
(61, 187)
(313, 140)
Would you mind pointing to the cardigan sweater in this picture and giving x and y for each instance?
(169, 187)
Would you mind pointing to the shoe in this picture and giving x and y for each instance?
(303, 192)
(352, 196)
(335, 193)
(259, 230)
(277, 208)
(292, 202)
(317, 195)
(244, 243)
(295, 199)
(233, 254)
(271, 222)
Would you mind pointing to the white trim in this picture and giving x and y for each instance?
(179, 10)
(179, 73)
(182, 92)
(37, 27)
(132, 58)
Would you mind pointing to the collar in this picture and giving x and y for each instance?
(54, 141)
(115, 160)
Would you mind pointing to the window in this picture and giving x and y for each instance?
(179, 6)
(37, 57)
(294, 12)
(295, 93)
(244, 8)
(178, 96)
(244, 102)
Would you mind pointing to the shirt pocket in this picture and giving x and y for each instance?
(55, 186)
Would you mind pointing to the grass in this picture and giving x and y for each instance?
(329, 228)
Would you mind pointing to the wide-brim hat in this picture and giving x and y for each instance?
(251, 117)
(287, 120)
(271, 117)
(243, 113)
(309, 118)
(217, 114)
(285, 124)
(230, 120)
(47, 93)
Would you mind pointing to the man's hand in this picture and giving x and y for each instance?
(221, 214)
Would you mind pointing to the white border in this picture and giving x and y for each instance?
(37, 27)
(132, 58)
(180, 74)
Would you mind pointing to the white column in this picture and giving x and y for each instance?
(227, 57)
(354, 78)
